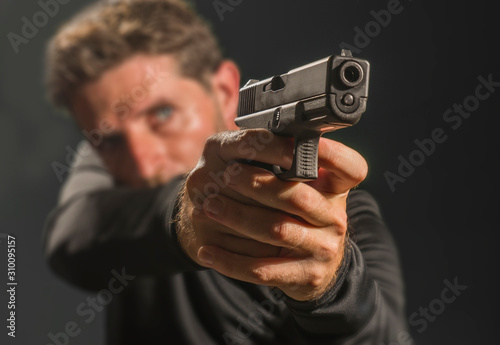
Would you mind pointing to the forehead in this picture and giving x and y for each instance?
(135, 76)
(134, 85)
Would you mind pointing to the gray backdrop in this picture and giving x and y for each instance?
(426, 58)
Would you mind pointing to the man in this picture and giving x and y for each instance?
(209, 250)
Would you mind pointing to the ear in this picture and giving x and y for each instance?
(226, 86)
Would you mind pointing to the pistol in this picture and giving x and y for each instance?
(304, 103)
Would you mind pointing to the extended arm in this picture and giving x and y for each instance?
(98, 227)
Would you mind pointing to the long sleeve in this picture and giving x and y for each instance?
(97, 228)
(366, 304)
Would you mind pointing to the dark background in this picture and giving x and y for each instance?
(428, 58)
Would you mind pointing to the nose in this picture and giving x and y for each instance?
(147, 155)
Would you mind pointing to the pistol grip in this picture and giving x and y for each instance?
(305, 160)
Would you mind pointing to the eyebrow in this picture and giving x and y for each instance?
(156, 102)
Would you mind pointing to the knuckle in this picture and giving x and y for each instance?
(328, 250)
(303, 237)
(212, 143)
(340, 221)
(222, 140)
(288, 233)
(310, 202)
(232, 138)
(305, 200)
(315, 277)
(279, 232)
(261, 275)
(244, 134)
(257, 182)
(337, 219)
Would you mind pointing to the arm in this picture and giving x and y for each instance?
(97, 227)
(339, 286)
(366, 304)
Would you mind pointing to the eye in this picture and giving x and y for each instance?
(162, 114)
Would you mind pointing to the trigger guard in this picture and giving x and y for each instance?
(277, 170)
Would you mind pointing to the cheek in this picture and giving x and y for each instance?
(200, 117)
(190, 144)
(192, 128)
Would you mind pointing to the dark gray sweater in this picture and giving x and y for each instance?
(120, 243)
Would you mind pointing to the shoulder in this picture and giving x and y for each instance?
(87, 174)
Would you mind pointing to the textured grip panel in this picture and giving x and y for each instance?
(305, 160)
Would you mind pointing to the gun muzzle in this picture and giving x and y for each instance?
(351, 73)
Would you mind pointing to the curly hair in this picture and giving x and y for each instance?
(108, 32)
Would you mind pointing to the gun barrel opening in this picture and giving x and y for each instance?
(351, 73)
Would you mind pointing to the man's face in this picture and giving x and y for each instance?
(147, 122)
